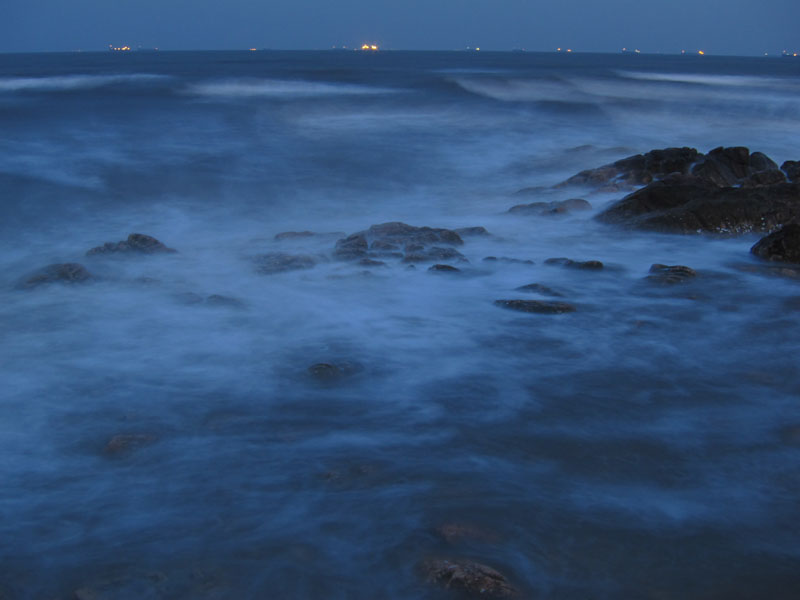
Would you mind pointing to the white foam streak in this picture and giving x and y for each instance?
(72, 82)
(253, 88)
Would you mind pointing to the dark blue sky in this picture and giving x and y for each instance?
(717, 26)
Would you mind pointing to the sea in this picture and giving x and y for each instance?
(157, 444)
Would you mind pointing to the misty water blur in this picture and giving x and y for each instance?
(635, 448)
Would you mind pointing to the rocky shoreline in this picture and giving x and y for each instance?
(728, 191)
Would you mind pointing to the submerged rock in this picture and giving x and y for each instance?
(589, 265)
(468, 576)
(550, 208)
(279, 262)
(224, 301)
(548, 307)
(137, 243)
(670, 274)
(444, 269)
(455, 533)
(293, 235)
(471, 231)
(420, 254)
(57, 273)
(782, 245)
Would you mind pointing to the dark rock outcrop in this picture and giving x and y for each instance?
(399, 240)
(137, 243)
(588, 265)
(782, 245)
(548, 307)
(729, 190)
(56, 273)
(670, 274)
(293, 235)
(279, 262)
(471, 231)
(509, 260)
(637, 170)
(792, 170)
(468, 576)
(542, 209)
(690, 204)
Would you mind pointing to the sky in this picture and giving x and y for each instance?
(733, 27)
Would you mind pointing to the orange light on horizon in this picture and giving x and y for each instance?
(700, 52)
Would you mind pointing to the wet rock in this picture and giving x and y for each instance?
(399, 240)
(468, 576)
(440, 268)
(792, 170)
(416, 254)
(670, 274)
(57, 273)
(550, 208)
(137, 243)
(770, 177)
(293, 235)
(369, 262)
(471, 231)
(724, 167)
(548, 307)
(688, 204)
(589, 265)
(782, 245)
(639, 169)
(279, 262)
(125, 443)
(538, 288)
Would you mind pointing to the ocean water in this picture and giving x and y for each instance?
(646, 446)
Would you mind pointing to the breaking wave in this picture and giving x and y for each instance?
(249, 88)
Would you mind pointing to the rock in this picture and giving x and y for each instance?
(770, 177)
(548, 307)
(639, 169)
(368, 262)
(57, 273)
(125, 443)
(666, 274)
(688, 204)
(416, 254)
(792, 170)
(589, 265)
(471, 231)
(782, 245)
(468, 576)
(550, 208)
(136, 243)
(279, 262)
(538, 288)
(761, 162)
(293, 235)
(444, 269)
(724, 167)
(399, 240)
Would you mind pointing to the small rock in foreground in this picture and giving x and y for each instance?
(444, 269)
(546, 307)
(782, 245)
(669, 274)
(591, 265)
(136, 243)
(279, 262)
(550, 208)
(57, 273)
(468, 576)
